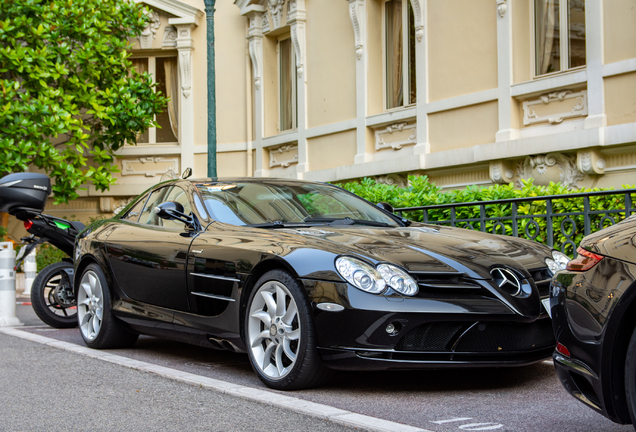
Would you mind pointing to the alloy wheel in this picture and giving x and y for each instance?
(90, 305)
(274, 330)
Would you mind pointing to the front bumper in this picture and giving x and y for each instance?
(451, 331)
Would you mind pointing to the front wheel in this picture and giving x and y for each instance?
(52, 295)
(280, 336)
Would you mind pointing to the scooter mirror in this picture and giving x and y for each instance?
(186, 173)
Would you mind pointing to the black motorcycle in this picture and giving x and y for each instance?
(24, 196)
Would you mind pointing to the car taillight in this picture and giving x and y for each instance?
(562, 349)
(585, 261)
(28, 224)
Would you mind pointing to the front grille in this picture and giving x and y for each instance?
(481, 338)
(435, 336)
(502, 336)
(542, 278)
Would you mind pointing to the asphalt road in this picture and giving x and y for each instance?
(47, 389)
(516, 399)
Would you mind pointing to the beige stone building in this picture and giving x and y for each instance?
(465, 91)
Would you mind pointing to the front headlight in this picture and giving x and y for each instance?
(558, 262)
(360, 274)
(398, 279)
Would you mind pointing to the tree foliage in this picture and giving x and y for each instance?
(68, 90)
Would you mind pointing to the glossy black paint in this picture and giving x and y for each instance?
(594, 315)
(193, 284)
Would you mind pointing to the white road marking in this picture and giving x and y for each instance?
(481, 426)
(261, 396)
(452, 420)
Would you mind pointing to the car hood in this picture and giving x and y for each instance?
(427, 248)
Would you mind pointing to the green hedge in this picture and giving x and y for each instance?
(421, 192)
(47, 255)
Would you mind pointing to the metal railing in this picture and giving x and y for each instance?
(545, 222)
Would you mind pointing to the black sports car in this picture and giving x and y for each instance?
(594, 310)
(308, 277)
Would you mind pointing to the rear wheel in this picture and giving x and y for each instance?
(52, 295)
(280, 334)
(99, 327)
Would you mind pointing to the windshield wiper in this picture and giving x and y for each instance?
(279, 224)
(346, 221)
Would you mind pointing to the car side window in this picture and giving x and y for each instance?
(179, 195)
(148, 215)
(168, 193)
(135, 211)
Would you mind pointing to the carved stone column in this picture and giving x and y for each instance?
(421, 71)
(256, 15)
(297, 19)
(504, 70)
(185, 47)
(594, 56)
(357, 13)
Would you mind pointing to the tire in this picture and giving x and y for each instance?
(52, 296)
(630, 378)
(279, 334)
(99, 328)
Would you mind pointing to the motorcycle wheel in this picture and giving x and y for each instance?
(52, 296)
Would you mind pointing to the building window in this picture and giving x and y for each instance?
(165, 73)
(559, 35)
(287, 84)
(399, 31)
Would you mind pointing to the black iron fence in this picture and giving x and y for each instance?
(560, 221)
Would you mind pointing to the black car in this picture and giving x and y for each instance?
(307, 277)
(593, 306)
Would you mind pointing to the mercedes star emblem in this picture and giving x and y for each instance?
(507, 280)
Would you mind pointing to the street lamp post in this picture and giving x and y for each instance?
(209, 15)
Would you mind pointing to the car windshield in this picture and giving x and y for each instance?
(281, 203)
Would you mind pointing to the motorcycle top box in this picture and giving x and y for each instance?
(24, 190)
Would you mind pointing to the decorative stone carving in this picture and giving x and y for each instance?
(394, 180)
(186, 73)
(149, 166)
(150, 31)
(357, 31)
(265, 23)
(185, 47)
(276, 9)
(551, 167)
(502, 7)
(169, 37)
(121, 203)
(396, 136)
(501, 172)
(292, 5)
(555, 107)
(590, 162)
(295, 36)
(283, 156)
(256, 54)
(419, 19)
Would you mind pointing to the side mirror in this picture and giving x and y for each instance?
(186, 173)
(172, 210)
(385, 206)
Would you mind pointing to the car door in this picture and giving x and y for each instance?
(149, 256)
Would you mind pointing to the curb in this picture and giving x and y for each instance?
(313, 409)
